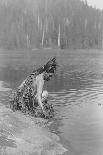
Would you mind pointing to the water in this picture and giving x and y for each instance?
(77, 94)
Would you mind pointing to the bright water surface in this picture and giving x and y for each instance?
(77, 94)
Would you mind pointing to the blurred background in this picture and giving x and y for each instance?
(48, 23)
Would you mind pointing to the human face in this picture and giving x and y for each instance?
(47, 76)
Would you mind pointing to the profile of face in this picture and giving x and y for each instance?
(47, 76)
(49, 68)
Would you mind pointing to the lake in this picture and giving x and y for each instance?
(76, 91)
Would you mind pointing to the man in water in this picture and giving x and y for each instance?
(31, 89)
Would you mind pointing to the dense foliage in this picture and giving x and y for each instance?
(50, 23)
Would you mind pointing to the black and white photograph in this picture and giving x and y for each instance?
(51, 77)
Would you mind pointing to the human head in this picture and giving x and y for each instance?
(49, 69)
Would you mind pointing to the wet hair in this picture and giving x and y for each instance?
(49, 67)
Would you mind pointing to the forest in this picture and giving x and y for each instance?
(50, 24)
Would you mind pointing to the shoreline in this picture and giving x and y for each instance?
(20, 134)
(23, 134)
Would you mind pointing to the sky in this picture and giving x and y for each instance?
(96, 3)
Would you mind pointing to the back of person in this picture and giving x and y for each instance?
(30, 93)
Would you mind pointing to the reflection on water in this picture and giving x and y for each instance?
(77, 93)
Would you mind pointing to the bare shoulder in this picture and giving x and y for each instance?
(40, 78)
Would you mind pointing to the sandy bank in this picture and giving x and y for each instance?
(22, 135)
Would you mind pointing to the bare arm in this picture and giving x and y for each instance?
(40, 84)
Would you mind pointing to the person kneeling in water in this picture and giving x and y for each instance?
(32, 88)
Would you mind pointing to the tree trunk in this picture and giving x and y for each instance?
(38, 23)
(43, 37)
(59, 37)
(28, 41)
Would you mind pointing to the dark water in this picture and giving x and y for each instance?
(77, 94)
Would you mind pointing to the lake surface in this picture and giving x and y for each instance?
(76, 91)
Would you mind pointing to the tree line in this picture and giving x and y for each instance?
(49, 23)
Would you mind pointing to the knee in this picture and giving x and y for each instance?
(44, 95)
